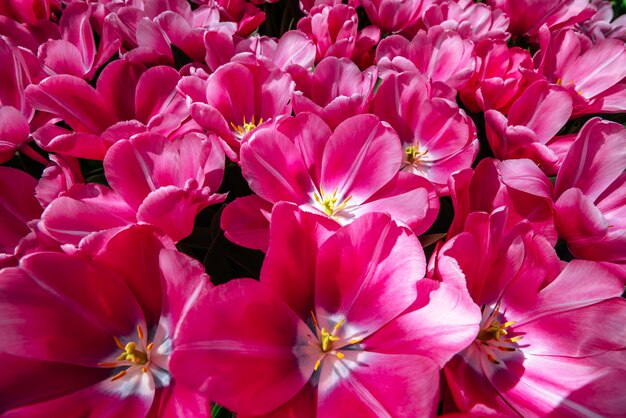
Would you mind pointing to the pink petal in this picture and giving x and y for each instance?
(185, 282)
(398, 198)
(17, 206)
(361, 156)
(40, 303)
(117, 84)
(595, 160)
(74, 101)
(245, 222)
(366, 274)
(174, 210)
(218, 353)
(272, 165)
(84, 209)
(440, 323)
(61, 57)
(120, 253)
(155, 90)
(14, 131)
(370, 384)
(295, 237)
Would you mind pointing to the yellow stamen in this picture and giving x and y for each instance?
(338, 325)
(329, 202)
(340, 355)
(144, 369)
(413, 154)
(514, 339)
(132, 354)
(317, 365)
(150, 347)
(327, 340)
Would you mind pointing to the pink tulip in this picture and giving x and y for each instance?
(127, 100)
(601, 25)
(340, 323)
(529, 129)
(334, 31)
(76, 52)
(153, 180)
(60, 175)
(524, 360)
(442, 55)
(293, 48)
(437, 137)
(527, 16)
(590, 193)
(335, 91)
(98, 344)
(475, 21)
(592, 74)
(238, 97)
(341, 175)
(502, 74)
(395, 15)
(519, 185)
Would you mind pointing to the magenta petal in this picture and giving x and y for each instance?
(442, 322)
(117, 84)
(120, 254)
(174, 209)
(94, 401)
(14, 131)
(185, 281)
(155, 89)
(572, 289)
(245, 222)
(18, 206)
(360, 157)
(53, 138)
(577, 217)
(408, 198)
(74, 101)
(274, 169)
(289, 267)
(20, 389)
(366, 274)
(379, 385)
(84, 209)
(596, 158)
(61, 57)
(38, 303)
(231, 335)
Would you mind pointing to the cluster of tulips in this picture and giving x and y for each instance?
(368, 208)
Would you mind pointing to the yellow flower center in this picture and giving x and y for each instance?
(412, 154)
(492, 333)
(130, 353)
(328, 202)
(246, 126)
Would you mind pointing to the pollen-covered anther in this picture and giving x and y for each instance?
(328, 202)
(412, 154)
(246, 126)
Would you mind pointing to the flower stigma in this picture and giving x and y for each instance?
(412, 154)
(130, 354)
